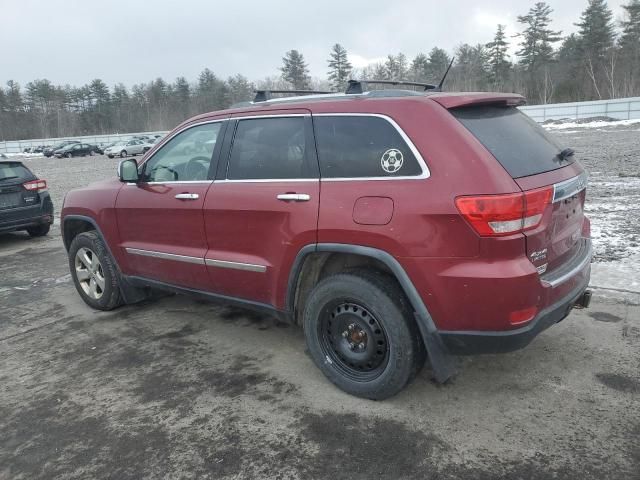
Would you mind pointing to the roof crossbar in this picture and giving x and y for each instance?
(355, 86)
(264, 95)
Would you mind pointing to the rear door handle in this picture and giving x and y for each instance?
(294, 197)
(187, 196)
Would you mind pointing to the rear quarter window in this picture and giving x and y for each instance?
(521, 146)
(362, 147)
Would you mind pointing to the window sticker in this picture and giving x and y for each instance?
(391, 160)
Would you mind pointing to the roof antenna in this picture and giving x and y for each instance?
(444, 77)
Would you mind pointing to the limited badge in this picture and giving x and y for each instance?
(391, 160)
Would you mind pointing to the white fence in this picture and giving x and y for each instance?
(619, 108)
(19, 146)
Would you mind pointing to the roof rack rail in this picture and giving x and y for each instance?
(355, 86)
(264, 95)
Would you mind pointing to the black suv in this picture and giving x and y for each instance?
(25, 203)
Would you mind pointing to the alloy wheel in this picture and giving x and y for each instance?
(89, 273)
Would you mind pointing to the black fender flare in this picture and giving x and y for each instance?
(439, 357)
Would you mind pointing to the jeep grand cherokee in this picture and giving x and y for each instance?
(391, 225)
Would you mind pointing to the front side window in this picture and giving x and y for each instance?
(186, 157)
(362, 146)
(270, 148)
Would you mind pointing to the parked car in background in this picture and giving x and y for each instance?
(124, 149)
(50, 151)
(148, 145)
(386, 240)
(76, 150)
(98, 149)
(3, 156)
(25, 203)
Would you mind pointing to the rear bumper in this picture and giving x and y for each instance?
(24, 217)
(478, 342)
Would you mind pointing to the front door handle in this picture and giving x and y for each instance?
(294, 197)
(187, 196)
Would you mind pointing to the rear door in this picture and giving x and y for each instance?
(535, 160)
(263, 206)
(160, 218)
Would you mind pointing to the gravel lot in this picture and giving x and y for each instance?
(178, 388)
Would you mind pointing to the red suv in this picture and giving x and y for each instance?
(391, 225)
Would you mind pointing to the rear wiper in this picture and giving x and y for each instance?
(566, 153)
(8, 178)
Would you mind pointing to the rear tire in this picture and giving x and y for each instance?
(360, 332)
(94, 272)
(39, 231)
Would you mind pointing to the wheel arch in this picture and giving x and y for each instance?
(320, 260)
(74, 225)
(313, 259)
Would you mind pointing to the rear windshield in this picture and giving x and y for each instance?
(515, 140)
(14, 171)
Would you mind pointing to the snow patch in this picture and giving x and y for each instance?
(595, 124)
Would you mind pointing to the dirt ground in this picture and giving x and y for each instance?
(178, 388)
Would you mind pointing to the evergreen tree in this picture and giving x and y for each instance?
(630, 38)
(240, 89)
(596, 30)
(570, 72)
(471, 67)
(339, 67)
(396, 67)
(498, 64)
(295, 71)
(536, 52)
(419, 70)
(536, 48)
(630, 49)
(438, 64)
(596, 37)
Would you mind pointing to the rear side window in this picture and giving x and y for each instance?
(270, 148)
(15, 171)
(521, 146)
(362, 146)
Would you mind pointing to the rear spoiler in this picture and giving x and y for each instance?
(455, 100)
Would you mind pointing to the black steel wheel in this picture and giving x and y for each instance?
(355, 340)
(361, 333)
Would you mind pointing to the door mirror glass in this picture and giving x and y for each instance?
(128, 170)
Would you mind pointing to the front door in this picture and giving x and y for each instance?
(160, 218)
(263, 206)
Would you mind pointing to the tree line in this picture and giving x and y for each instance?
(600, 61)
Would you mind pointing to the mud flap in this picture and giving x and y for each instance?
(441, 360)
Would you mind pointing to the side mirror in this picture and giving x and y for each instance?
(128, 171)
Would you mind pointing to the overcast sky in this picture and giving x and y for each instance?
(130, 41)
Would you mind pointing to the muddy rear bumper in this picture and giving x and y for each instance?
(478, 342)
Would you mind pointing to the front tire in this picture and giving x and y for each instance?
(39, 231)
(360, 332)
(94, 272)
(68, 155)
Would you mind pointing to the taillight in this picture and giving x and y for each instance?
(35, 185)
(497, 215)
